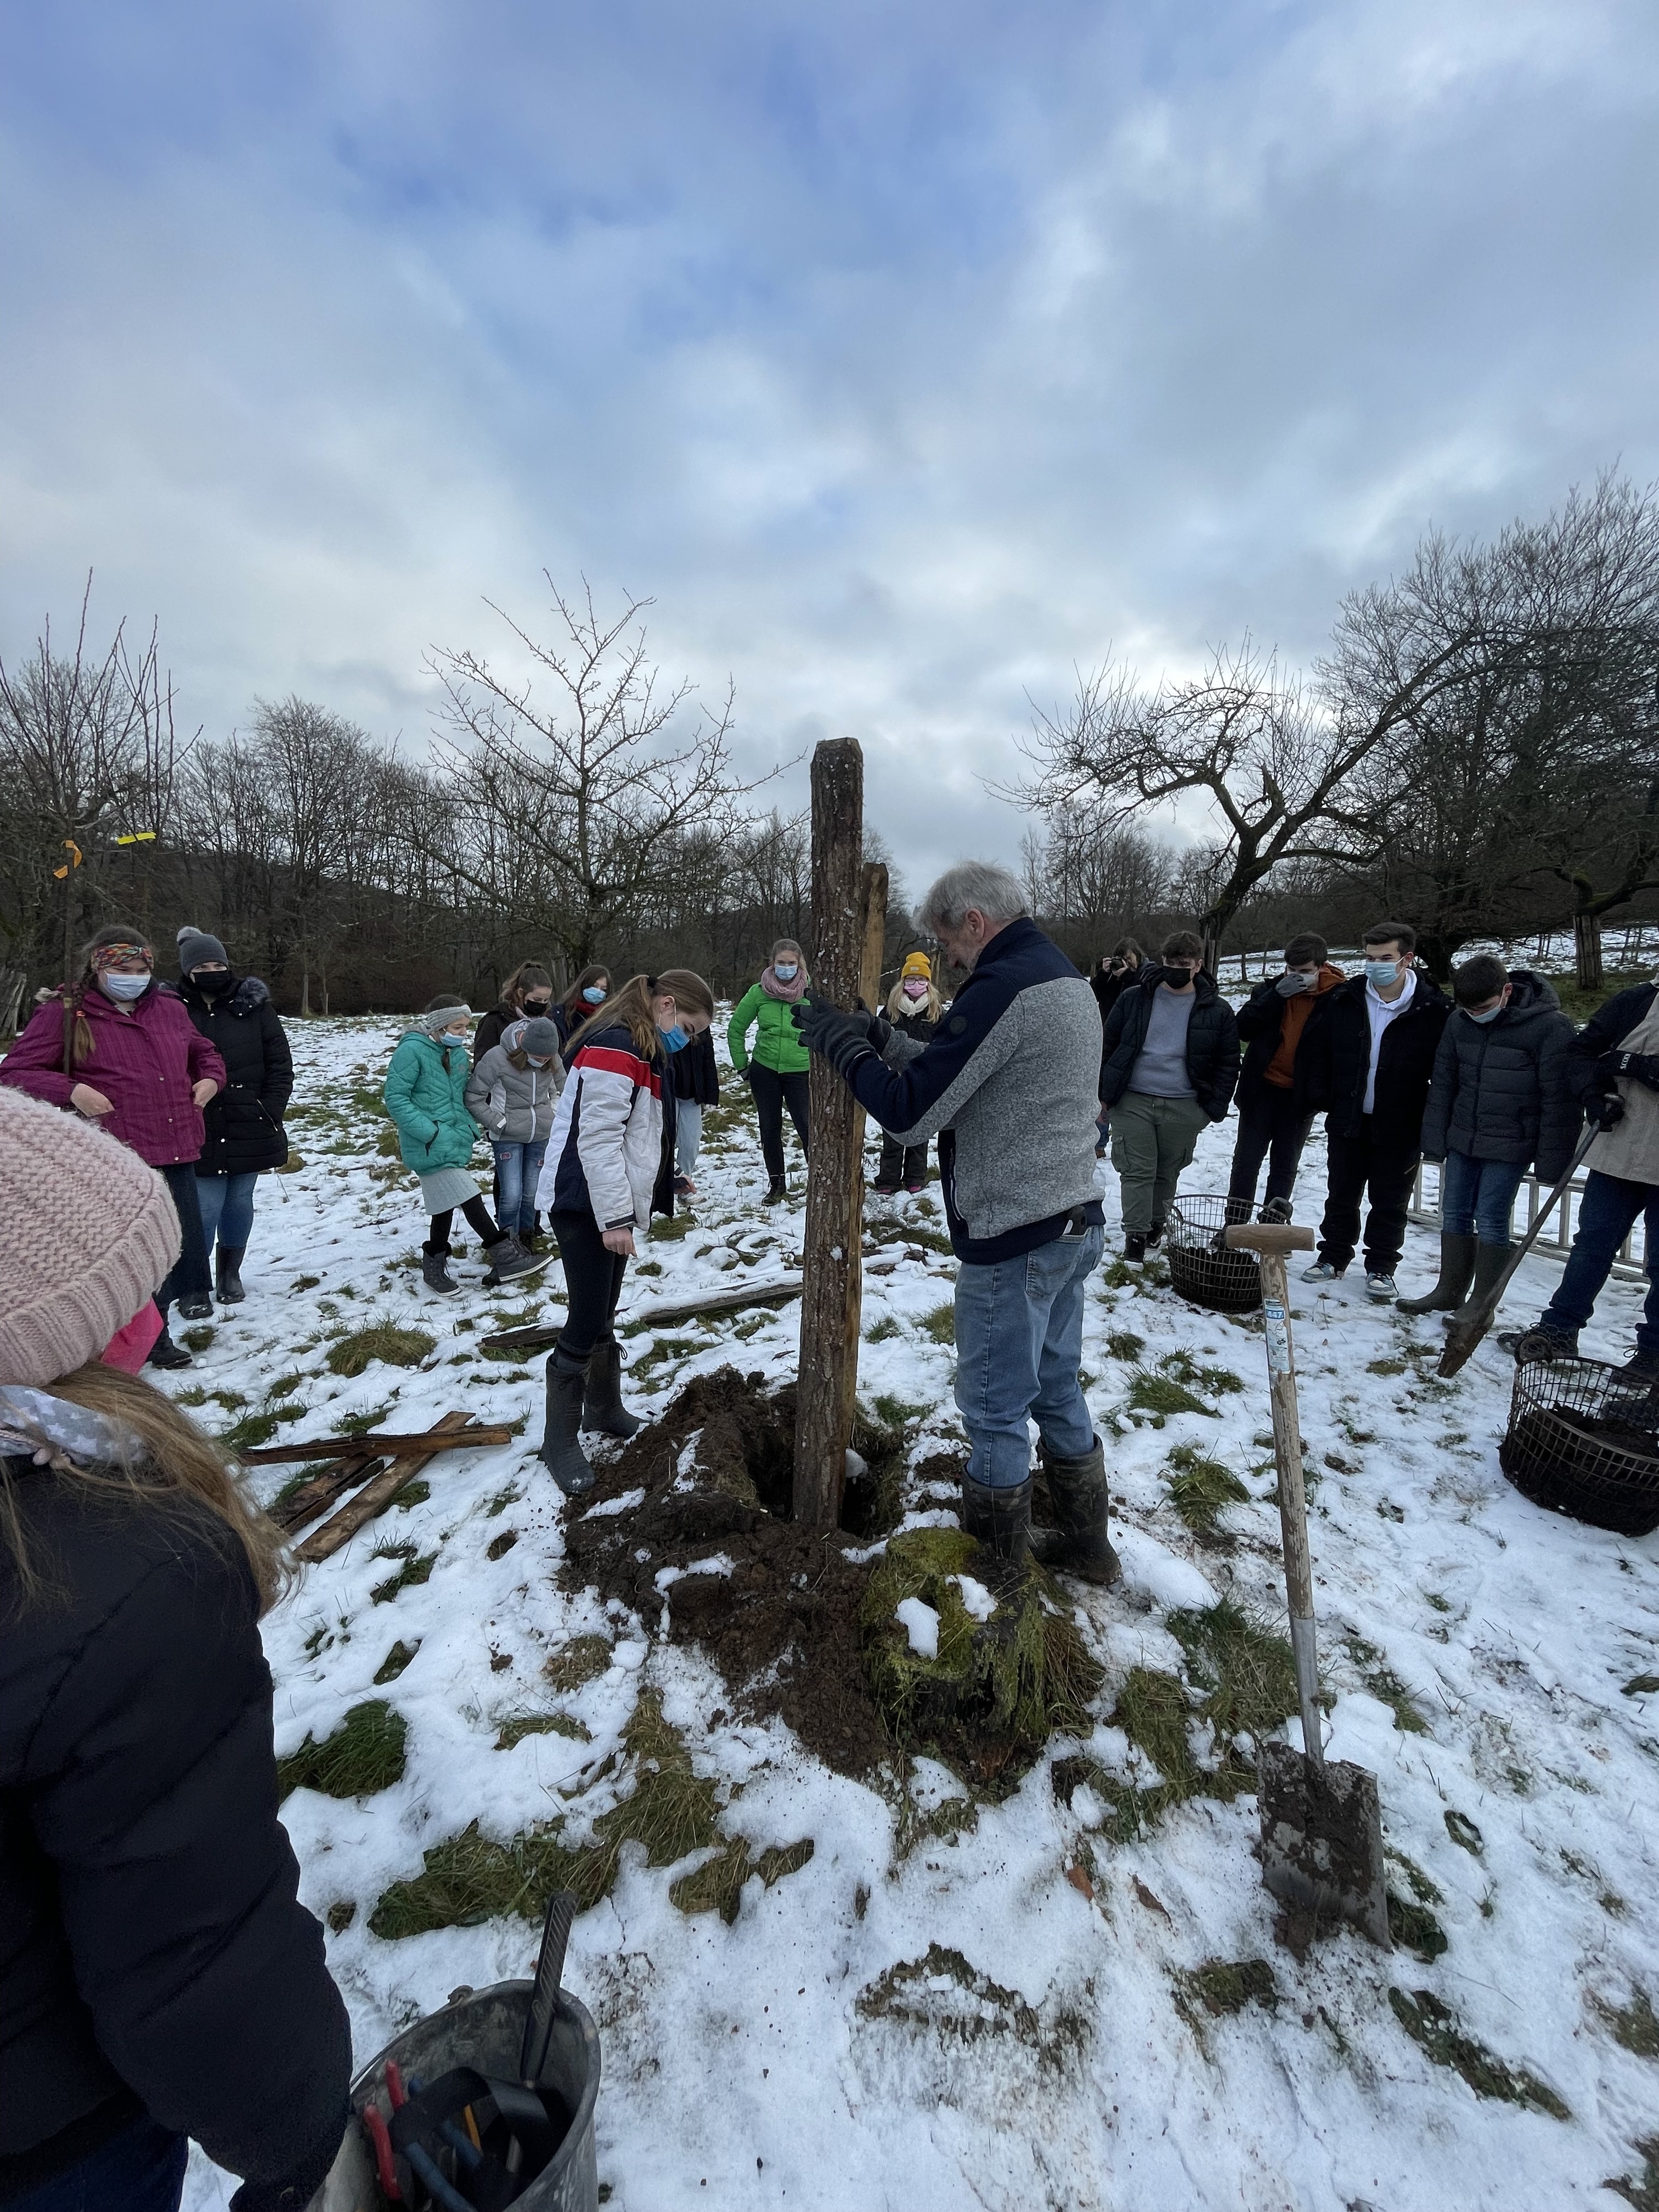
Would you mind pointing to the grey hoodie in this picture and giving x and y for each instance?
(513, 1105)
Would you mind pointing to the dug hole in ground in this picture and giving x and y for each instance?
(1038, 1968)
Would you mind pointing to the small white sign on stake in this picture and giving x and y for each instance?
(1279, 1337)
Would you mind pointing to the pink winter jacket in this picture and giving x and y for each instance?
(144, 1061)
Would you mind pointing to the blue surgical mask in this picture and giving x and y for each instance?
(534, 1062)
(676, 1037)
(784, 971)
(125, 987)
(453, 1040)
(1382, 973)
(595, 996)
(1490, 1015)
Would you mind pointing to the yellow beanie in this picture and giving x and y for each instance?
(916, 963)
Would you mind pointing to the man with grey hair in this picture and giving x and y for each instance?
(1008, 1082)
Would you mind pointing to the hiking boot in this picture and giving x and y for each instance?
(1640, 1374)
(1322, 1272)
(1382, 1288)
(227, 1269)
(1541, 1342)
(1080, 1545)
(562, 1453)
(507, 1258)
(1277, 1212)
(200, 1309)
(775, 1190)
(434, 1272)
(1457, 1258)
(164, 1352)
(1134, 1244)
(603, 1411)
(1000, 1517)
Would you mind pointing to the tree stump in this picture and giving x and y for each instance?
(843, 895)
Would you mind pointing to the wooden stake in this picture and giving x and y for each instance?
(324, 1542)
(831, 1284)
(429, 1440)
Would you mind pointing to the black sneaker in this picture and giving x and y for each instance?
(1541, 1343)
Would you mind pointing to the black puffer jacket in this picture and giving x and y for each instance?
(153, 1952)
(1500, 1089)
(1109, 989)
(1603, 1033)
(1212, 1043)
(245, 1129)
(1335, 1058)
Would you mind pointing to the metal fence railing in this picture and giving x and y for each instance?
(1555, 1240)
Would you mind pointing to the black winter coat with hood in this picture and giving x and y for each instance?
(1212, 1043)
(1603, 1033)
(154, 1955)
(1335, 1058)
(1501, 1090)
(244, 1123)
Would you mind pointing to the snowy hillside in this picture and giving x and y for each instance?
(956, 2001)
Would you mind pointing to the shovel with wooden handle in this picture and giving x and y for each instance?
(1469, 1327)
(1321, 1826)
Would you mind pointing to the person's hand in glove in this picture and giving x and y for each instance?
(880, 1028)
(1639, 1067)
(1607, 1112)
(841, 1039)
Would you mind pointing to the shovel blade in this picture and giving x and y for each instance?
(1462, 1337)
(1322, 1840)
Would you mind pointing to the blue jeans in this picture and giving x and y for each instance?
(1020, 1342)
(227, 1208)
(1605, 1218)
(140, 2170)
(518, 1170)
(1477, 1197)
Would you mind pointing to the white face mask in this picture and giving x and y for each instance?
(125, 987)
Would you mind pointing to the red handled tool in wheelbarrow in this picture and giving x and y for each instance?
(1321, 1826)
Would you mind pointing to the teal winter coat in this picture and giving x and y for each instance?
(424, 1094)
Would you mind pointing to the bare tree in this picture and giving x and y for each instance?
(572, 803)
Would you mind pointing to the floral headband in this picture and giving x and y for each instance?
(107, 955)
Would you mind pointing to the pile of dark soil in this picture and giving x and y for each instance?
(783, 1626)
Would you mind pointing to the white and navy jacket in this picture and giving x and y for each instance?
(1009, 1080)
(605, 1149)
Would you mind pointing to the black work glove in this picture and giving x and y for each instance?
(841, 1039)
(1607, 1113)
(1639, 1067)
(879, 1027)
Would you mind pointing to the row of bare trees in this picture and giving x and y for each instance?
(1479, 751)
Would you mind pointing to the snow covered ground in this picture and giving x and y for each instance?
(820, 2051)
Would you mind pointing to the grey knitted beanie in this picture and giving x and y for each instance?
(196, 947)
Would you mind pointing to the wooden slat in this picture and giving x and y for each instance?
(323, 1491)
(545, 1335)
(353, 1446)
(324, 1542)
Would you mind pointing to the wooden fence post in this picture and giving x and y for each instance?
(831, 1274)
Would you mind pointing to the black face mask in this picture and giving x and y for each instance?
(213, 984)
(534, 1006)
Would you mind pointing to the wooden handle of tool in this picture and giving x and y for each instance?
(1292, 1500)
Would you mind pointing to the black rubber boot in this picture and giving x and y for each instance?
(562, 1453)
(1080, 1545)
(775, 1190)
(1134, 1244)
(227, 1268)
(603, 1411)
(434, 1272)
(998, 1518)
(164, 1352)
(1489, 1261)
(1458, 1255)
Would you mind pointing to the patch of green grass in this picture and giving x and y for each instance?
(1463, 1832)
(396, 1660)
(1640, 2190)
(195, 1395)
(1160, 1395)
(253, 1429)
(1634, 2025)
(364, 1755)
(916, 1994)
(664, 1233)
(501, 1500)
(361, 1425)
(198, 1339)
(1639, 1685)
(1386, 1686)
(1199, 1487)
(884, 1330)
(1181, 1367)
(340, 1914)
(520, 1725)
(717, 1885)
(1433, 2027)
(385, 1340)
(499, 1547)
(1414, 1927)
(416, 1568)
(1385, 1367)
(580, 1660)
(665, 1348)
(940, 1322)
(1221, 1987)
(1153, 1711)
(411, 1495)
(898, 1412)
(1123, 1344)
(1243, 1666)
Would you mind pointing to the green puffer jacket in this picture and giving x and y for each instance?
(777, 1041)
(425, 1095)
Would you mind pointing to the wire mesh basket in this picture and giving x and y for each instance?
(1583, 1441)
(1201, 1268)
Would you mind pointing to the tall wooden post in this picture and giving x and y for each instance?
(832, 1273)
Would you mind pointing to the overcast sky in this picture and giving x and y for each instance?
(907, 354)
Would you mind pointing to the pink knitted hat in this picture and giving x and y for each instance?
(87, 1233)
